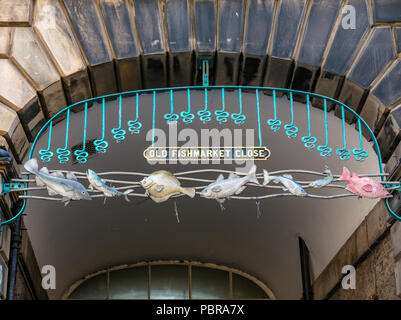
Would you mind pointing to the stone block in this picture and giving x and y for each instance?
(316, 33)
(397, 271)
(18, 94)
(85, 18)
(386, 10)
(353, 96)
(15, 13)
(259, 16)
(329, 85)
(5, 39)
(252, 70)
(13, 132)
(38, 68)
(302, 79)
(54, 31)
(178, 25)
(390, 134)
(286, 34)
(347, 41)
(227, 68)
(121, 29)
(377, 222)
(180, 71)
(77, 87)
(376, 53)
(205, 25)
(374, 113)
(396, 240)
(278, 72)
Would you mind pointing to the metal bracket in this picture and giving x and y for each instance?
(9, 187)
(205, 63)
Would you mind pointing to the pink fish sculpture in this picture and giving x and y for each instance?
(365, 186)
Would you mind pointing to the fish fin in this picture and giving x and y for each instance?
(44, 170)
(31, 165)
(220, 202)
(217, 189)
(104, 201)
(232, 175)
(71, 176)
(51, 192)
(240, 190)
(90, 187)
(252, 175)
(39, 182)
(220, 177)
(266, 178)
(126, 193)
(188, 191)
(66, 201)
(351, 189)
(346, 175)
(288, 176)
(159, 188)
(367, 187)
(285, 189)
(57, 174)
(67, 187)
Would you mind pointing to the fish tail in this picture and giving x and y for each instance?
(188, 191)
(266, 177)
(252, 175)
(346, 175)
(32, 165)
(126, 193)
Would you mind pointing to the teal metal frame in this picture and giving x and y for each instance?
(221, 116)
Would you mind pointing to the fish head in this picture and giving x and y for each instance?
(146, 182)
(83, 194)
(206, 193)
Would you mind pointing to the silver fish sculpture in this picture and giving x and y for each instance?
(319, 183)
(287, 181)
(222, 189)
(98, 183)
(161, 185)
(69, 189)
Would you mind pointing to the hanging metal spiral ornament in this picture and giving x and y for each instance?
(64, 153)
(274, 123)
(239, 118)
(134, 126)
(360, 154)
(119, 133)
(187, 116)
(309, 140)
(222, 115)
(45, 154)
(325, 150)
(205, 115)
(291, 130)
(343, 152)
(100, 144)
(81, 155)
(171, 117)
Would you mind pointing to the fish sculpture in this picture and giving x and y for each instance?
(287, 181)
(365, 186)
(95, 182)
(69, 188)
(161, 185)
(320, 183)
(222, 189)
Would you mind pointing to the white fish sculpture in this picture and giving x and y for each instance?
(69, 189)
(222, 189)
(287, 181)
(97, 183)
(161, 185)
(320, 183)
